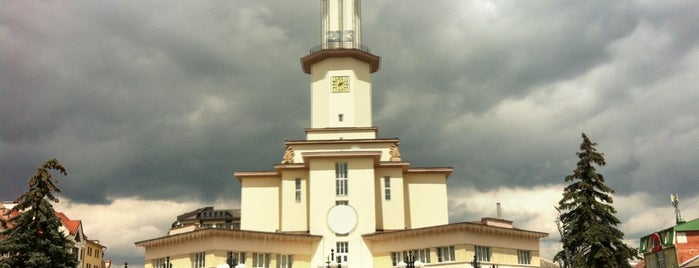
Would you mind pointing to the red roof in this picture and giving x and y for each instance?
(71, 225)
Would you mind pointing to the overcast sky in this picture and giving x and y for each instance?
(153, 105)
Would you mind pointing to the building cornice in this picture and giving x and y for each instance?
(376, 155)
(226, 233)
(323, 54)
(343, 141)
(405, 166)
(453, 227)
(419, 170)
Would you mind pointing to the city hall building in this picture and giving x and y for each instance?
(344, 196)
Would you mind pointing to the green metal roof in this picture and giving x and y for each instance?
(692, 225)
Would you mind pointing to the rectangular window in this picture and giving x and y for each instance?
(341, 179)
(483, 253)
(284, 261)
(387, 188)
(198, 260)
(396, 257)
(422, 255)
(297, 187)
(524, 257)
(341, 251)
(341, 202)
(445, 254)
(235, 257)
(260, 260)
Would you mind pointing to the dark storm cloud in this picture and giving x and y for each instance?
(148, 104)
(165, 100)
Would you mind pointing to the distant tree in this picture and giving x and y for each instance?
(34, 239)
(587, 220)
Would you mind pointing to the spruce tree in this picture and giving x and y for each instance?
(587, 219)
(34, 239)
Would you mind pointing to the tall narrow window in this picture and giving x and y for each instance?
(524, 257)
(235, 257)
(396, 257)
(387, 188)
(297, 186)
(445, 254)
(483, 253)
(159, 262)
(284, 261)
(341, 178)
(340, 117)
(260, 260)
(422, 255)
(342, 251)
(198, 260)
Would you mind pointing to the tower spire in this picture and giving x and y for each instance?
(341, 24)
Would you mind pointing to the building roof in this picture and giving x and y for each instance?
(204, 214)
(693, 262)
(72, 225)
(470, 226)
(218, 233)
(323, 54)
(692, 225)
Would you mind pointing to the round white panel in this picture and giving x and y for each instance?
(342, 219)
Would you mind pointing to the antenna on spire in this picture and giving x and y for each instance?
(675, 200)
(499, 211)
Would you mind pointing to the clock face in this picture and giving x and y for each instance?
(339, 84)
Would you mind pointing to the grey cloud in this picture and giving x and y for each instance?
(162, 100)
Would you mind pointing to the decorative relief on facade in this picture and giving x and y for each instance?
(288, 155)
(395, 153)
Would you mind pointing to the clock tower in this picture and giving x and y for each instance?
(340, 69)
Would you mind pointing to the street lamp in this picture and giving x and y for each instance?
(410, 262)
(167, 263)
(331, 263)
(475, 262)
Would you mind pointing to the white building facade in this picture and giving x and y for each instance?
(343, 191)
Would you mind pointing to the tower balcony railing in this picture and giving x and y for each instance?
(340, 45)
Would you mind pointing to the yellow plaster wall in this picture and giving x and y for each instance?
(390, 213)
(259, 202)
(361, 197)
(325, 105)
(95, 259)
(384, 147)
(216, 257)
(294, 216)
(427, 200)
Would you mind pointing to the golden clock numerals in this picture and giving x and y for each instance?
(339, 84)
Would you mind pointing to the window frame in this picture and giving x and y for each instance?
(285, 261)
(524, 256)
(238, 255)
(258, 257)
(483, 253)
(297, 190)
(387, 188)
(199, 259)
(341, 185)
(446, 254)
(341, 251)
